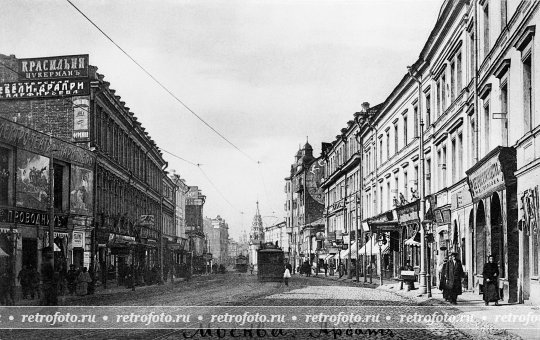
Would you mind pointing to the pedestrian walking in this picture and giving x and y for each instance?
(325, 269)
(5, 289)
(71, 278)
(442, 279)
(454, 273)
(24, 280)
(286, 276)
(34, 280)
(289, 267)
(82, 282)
(251, 267)
(50, 279)
(490, 274)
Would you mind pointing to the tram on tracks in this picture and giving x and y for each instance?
(270, 262)
(241, 263)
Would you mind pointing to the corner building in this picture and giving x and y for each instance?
(129, 170)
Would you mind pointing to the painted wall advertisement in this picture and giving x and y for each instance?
(81, 107)
(32, 180)
(81, 190)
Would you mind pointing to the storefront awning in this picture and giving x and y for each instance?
(414, 241)
(372, 248)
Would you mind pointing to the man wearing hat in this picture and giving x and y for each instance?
(454, 273)
(49, 278)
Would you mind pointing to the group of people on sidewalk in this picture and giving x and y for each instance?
(452, 272)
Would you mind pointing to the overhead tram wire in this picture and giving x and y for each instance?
(160, 84)
(216, 188)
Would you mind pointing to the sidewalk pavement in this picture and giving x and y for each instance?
(507, 320)
(112, 288)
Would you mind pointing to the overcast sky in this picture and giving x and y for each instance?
(265, 74)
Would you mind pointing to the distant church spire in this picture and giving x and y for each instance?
(257, 226)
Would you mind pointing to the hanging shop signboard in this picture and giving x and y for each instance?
(78, 239)
(31, 217)
(67, 66)
(492, 173)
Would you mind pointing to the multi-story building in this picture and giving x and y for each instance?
(470, 96)
(277, 233)
(304, 207)
(217, 231)
(68, 98)
(195, 228)
(181, 253)
(169, 240)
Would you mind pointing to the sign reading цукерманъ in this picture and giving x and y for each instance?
(69, 66)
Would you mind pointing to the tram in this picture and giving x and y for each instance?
(241, 263)
(270, 262)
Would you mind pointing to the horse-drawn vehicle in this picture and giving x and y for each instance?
(270, 262)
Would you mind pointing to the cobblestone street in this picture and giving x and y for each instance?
(235, 293)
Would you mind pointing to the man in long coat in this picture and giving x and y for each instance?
(454, 273)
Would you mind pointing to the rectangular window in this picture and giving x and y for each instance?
(396, 188)
(444, 167)
(459, 75)
(396, 137)
(428, 176)
(486, 30)
(439, 169)
(415, 118)
(438, 94)
(405, 184)
(487, 123)
(504, 109)
(443, 93)
(405, 138)
(388, 145)
(454, 165)
(527, 95)
(380, 150)
(472, 56)
(452, 81)
(428, 110)
(472, 136)
(459, 157)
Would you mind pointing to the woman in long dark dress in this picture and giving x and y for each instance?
(491, 276)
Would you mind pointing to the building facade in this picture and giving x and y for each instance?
(304, 207)
(69, 99)
(470, 95)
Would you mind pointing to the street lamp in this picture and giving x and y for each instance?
(361, 118)
(421, 189)
(381, 241)
(13, 237)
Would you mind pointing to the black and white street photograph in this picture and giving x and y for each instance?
(269, 169)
